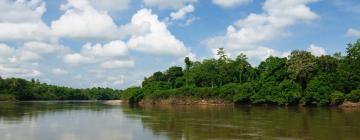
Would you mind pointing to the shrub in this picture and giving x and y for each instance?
(353, 96)
(229, 90)
(289, 93)
(7, 97)
(244, 93)
(318, 92)
(337, 97)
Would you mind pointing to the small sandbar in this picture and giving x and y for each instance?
(112, 102)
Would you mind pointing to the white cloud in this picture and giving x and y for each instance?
(111, 55)
(230, 3)
(58, 71)
(181, 13)
(246, 35)
(174, 4)
(11, 71)
(32, 51)
(353, 32)
(76, 58)
(20, 11)
(112, 49)
(111, 5)
(44, 48)
(21, 20)
(158, 40)
(82, 21)
(5, 52)
(112, 64)
(316, 50)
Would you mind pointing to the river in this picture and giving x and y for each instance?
(97, 121)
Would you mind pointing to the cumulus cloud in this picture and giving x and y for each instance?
(173, 4)
(112, 49)
(111, 64)
(158, 40)
(58, 71)
(14, 71)
(32, 51)
(21, 20)
(20, 11)
(353, 32)
(82, 21)
(5, 52)
(111, 55)
(230, 3)
(316, 50)
(246, 35)
(181, 13)
(23, 61)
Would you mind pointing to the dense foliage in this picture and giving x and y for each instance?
(301, 78)
(20, 89)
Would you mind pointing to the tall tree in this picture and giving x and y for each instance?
(221, 54)
(242, 66)
(172, 74)
(187, 72)
(301, 67)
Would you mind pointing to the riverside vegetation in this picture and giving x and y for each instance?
(23, 90)
(299, 79)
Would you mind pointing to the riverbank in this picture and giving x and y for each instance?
(107, 102)
(184, 101)
(112, 102)
(215, 102)
(350, 105)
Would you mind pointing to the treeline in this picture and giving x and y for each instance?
(23, 90)
(301, 78)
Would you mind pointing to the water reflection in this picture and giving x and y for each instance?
(95, 121)
(220, 122)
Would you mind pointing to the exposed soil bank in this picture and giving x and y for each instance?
(350, 105)
(191, 101)
(186, 101)
(112, 102)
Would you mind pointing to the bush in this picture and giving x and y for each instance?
(245, 91)
(318, 92)
(266, 94)
(229, 90)
(353, 96)
(289, 93)
(7, 97)
(206, 92)
(337, 97)
(133, 95)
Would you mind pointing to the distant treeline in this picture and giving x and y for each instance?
(301, 78)
(23, 90)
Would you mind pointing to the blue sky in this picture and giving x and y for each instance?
(116, 43)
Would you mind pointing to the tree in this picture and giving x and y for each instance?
(273, 69)
(188, 64)
(205, 74)
(351, 66)
(242, 66)
(327, 64)
(221, 54)
(301, 67)
(172, 74)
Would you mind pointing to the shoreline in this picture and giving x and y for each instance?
(218, 102)
(182, 102)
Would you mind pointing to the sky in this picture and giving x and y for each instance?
(116, 43)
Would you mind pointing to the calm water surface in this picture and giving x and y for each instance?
(95, 121)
